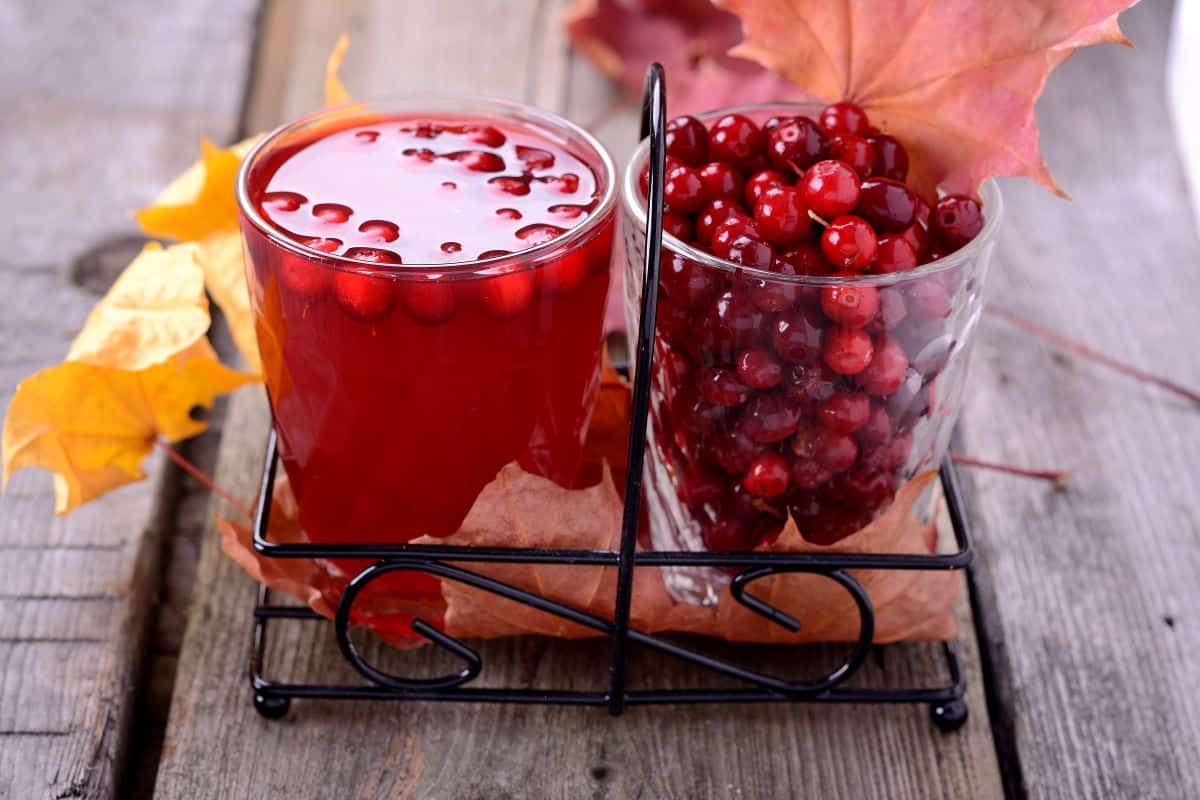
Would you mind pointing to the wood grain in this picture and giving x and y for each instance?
(217, 746)
(1092, 594)
(102, 105)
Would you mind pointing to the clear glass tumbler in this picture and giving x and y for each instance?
(710, 311)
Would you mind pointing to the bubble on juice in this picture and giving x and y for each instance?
(283, 201)
(568, 210)
(508, 213)
(535, 157)
(380, 230)
(333, 213)
(539, 233)
(366, 137)
(478, 160)
(449, 186)
(510, 185)
(373, 255)
(485, 135)
(326, 244)
(494, 253)
(450, 248)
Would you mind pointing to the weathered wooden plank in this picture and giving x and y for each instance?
(217, 746)
(1092, 594)
(102, 104)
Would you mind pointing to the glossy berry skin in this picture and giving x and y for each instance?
(713, 214)
(927, 299)
(782, 216)
(722, 387)
(721, 181)
(808, 475)
(727, 231)
(771, 294)
(956, 220)
(767, 476)
(797, 336)
(758, 369)
(891, 159)
(847, 351)
(428, 302)
(769, 418)
(364, 297)
(845, 412)
(759, 183)
(734, 137)
(683, 190)
(835, 451)
(842, 118)
(878, 428)
(734, 451)
(750, 251)
(888, 205)
(687, 283)
(831, 188)
(728, 534)
(687, 140)
(678, 225)
(886, 371)
(736, 325)
(854, 151)
(851, 306)
(795, 144)
(849, 243)
(893, 253)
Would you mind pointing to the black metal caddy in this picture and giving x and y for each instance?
(272, 699)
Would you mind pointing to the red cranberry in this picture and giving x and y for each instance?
(888, 205)
(855, 151)
(734, 138)
(693, 413)
(843, 118)
(795, 144)
(749, 251)
(852, 306)
(734, 451)
(878, 428)
(956, 220)
(728, 534)
(885, 373)
(832, 524)
(774, 295)
(774, 122)
(687, 140)
(686, 282)
(304, 277)
(683, 190)
(758, 369)
(428, 302)
(893, 253)
(534, 158)
(847, 351)
(834, 451)
(811, 384)
(678, 225)
(539, 233)
(767, 476)
(769, 418)
(722, 387)
(331, 213)
(379, 230)
(891, 159)
(699, 487)
(866, 487)
(899, 450)
(518, 186)
(567, 183)
(782, 216)
(845, 412)
(807, 474)
(737, 324)
(721, 181)
(478, 160)
(892, 309)
(830, 188)
(731, 229)
(485, 135)
(364, 297)
(714, 214)
(927, 300)
(507, 295)
(759, 183)
(849, 243)
(673, 323)
(796, 336)
(283, 201)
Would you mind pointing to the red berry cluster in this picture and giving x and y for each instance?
(773, 397)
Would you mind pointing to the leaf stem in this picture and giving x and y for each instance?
(1057, 476)
(1084, 351)
(201, 476)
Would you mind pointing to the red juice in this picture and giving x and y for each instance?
(428, 289)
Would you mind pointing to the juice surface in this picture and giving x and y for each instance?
(399, 391)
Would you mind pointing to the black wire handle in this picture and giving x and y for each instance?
(654, 112)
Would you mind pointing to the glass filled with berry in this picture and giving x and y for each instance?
(428, 277)
(815, 316)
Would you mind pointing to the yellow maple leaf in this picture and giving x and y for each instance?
(133, 375)
(220, 256)
(335, 91)
(188, 212)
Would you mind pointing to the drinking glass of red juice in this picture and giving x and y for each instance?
(428, 277)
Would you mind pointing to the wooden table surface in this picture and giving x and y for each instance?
(124, 632)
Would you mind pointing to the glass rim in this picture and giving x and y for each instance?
(518, 260)
(632, 203)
